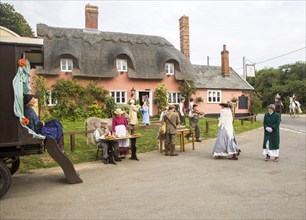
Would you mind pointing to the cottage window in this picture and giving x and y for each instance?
(119, 96)
(169, 68)
(174, 97)
(122, 65)
(49, 99)
(66, 65)
(213, 96)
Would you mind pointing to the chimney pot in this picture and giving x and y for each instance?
(184, 35)
(225, 62)
(91, 16)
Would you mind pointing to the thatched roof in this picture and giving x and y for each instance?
(94, 53)
(211, 77)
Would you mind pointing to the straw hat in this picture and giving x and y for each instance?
(118, 111)
(224, 103)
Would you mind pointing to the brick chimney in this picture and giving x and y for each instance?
(184, 35)
(91, 16)
(225, 62)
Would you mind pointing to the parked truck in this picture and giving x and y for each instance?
(15, 139)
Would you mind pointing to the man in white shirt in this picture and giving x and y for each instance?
(182, 110)
(107, 146)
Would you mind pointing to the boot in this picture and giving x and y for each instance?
(172, 150)
(133, 154)
(234, 157)
(166, 149)
(111, 160)
(104, 160)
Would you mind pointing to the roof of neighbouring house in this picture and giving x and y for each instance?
(95, 52)
(211, 77)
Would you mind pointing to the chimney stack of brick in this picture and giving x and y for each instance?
(225, 62)
(91, 16)
(184, 35)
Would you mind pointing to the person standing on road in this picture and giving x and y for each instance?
(226, 143)
(194, 116)
(172, 120)
(271, 134)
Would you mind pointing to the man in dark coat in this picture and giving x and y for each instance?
(172, 120)
(271, 136)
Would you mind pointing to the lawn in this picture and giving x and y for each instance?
(146, 143)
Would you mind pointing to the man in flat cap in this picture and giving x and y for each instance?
(172, 120)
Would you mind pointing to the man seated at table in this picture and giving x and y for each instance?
(108, 147)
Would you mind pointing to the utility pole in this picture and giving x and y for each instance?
(244, 68)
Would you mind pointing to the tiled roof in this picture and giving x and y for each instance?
(211, 77)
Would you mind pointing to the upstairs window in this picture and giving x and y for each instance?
(119, 96)
(214, 96)
(121, 65)
(66, 65)
(169, 68)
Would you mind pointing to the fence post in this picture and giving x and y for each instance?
(207, 127)
(72, 142)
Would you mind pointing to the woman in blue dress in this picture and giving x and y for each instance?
(145, 113)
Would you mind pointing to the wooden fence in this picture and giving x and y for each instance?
(242, 119)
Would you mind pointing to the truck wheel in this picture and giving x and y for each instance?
(12, 163)
(5, 179)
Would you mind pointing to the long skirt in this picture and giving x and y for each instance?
(224, 146)
(271, 153)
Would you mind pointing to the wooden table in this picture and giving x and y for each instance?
(181, 133)
(111, 141)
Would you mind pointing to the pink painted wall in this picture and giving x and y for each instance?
(226, 95)
(122, 83)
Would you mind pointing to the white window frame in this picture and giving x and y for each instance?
(120, 96)
(174, 97)
(49, 100)
(66, 65)
(121, 65)
(169, 67)
(214, 96)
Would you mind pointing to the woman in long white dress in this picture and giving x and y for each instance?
(226, 144)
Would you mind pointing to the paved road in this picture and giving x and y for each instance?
(190, 186)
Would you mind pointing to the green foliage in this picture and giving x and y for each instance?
(161, 97)
(286, 80)
(110, 106)
(199, 99)
(256, 103)
(14, 21)
(74, 101)
(40, 85)
(187, 89)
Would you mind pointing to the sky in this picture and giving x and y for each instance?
(266, 33)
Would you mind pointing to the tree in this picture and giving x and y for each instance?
(161, 97)
(286, 80)
(14, 21)
(187, 89)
